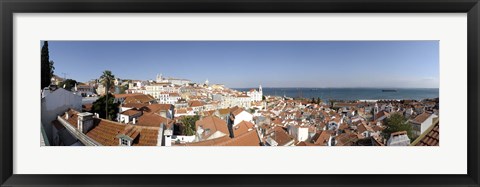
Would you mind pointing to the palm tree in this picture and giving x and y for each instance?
(107, 79)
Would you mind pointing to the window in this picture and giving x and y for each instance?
(125, 142)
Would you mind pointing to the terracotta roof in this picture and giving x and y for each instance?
(87, 107)
(156, 108)
(343, 126)
(139, 98)
(174, 94)
(377, 128)
(242, 128)
(421, 118)
(209, 113)
(131, 112)
(248, 139)
(125, 95)
(105, 132)
(72, 117)
(305, 144)
(362, 128)
(131, 132)
(381, 114)
(135, 105)
(152, 120)
(430, 137)
(280, 136)
(237, 111)
(213, 123)
(224, 111)
(181, 111)
(195, 103)
(277, 121)
(321, 138)
(346, 139)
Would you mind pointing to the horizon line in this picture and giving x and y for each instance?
(343, 87)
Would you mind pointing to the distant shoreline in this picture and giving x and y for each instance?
(352, 94)
(328, 88)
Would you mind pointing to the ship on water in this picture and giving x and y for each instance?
(389, 90)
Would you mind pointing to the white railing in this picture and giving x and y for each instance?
(79, 135)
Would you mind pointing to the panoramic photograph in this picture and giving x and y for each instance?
(239, 93)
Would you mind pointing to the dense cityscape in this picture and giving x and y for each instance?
(175, 111)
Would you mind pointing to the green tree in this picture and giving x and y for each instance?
(46, 67)
(319, 100)
(105, 106)
(313, 100)
(189, 124)
(263, 98)
(396, 122)
(68, 84)
(107, 79)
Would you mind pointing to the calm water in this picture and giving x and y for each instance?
(351, 93)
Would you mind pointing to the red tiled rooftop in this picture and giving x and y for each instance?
(135, 105)
(130, 112)
(152, 120)
(431, 138)
(421, 118)
(248, 139)
(105, 132)
(242, 128)
(213, 123)
(280, 136)
(195, 103)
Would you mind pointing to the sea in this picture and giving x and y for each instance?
(350, 94)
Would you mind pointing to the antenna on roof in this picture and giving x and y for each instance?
(64, 76)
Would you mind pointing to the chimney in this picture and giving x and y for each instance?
(230, 126)
(134, 120)
(168, 137)
(66, 115)
(85, 122)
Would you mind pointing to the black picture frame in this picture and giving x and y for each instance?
(9, 7)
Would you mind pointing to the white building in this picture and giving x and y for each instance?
(398, 139)
(243, 101)
(422, 122)
(175, 81)
(84, 90)
(168, 98)
(129, 116)
(240, 115)
(256, 95)
(135, 85)
(55, 101)
(157, 89)
(299, 132)
(136, 90)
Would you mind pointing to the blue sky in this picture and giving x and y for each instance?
(239, 64)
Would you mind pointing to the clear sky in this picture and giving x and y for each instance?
(239, 64)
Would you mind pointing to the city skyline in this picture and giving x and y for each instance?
(246, 64)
